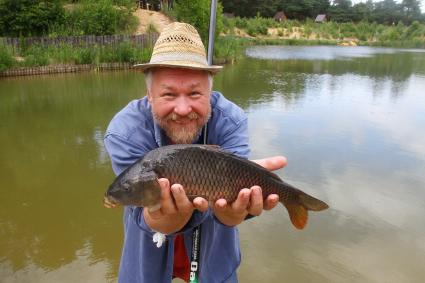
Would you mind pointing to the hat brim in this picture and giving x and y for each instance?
(212, 69)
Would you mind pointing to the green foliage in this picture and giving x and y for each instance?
(29, 17)
(229, 25)
(250, 8)
(36, 56)
(302, 9)
(48, 17)
(384, 11)
(256, 26)
(365, 32)
(99, 17)
(197, 13)
(414, 30)
(6, 58)
(85, 56)
(226, 49)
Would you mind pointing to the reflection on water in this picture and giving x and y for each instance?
(318, 53)
(350, 123)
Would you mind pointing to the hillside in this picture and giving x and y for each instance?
(147, 17)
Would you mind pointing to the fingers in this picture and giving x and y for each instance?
(181, 201)
(220, 205)
(242, 202)
(271, 201)
(256, 201)
(272, 163)
(200, 204)
(166, 203)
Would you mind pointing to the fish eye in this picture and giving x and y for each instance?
(126, 186)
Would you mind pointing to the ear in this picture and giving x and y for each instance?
(149, 95)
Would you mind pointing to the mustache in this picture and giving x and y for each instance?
(174, 116)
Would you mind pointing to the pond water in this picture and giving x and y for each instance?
(350, 121)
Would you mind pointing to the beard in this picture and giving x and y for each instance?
(182, 133)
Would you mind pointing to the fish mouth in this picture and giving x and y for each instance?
(109, 202)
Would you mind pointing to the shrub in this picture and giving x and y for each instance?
(197, 13)
(85, 55)
(6, 59)
(29, 17)
(257, 26)
(36, 56)
(102, 17)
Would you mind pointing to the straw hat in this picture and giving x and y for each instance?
(179, 46)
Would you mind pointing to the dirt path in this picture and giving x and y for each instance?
(146, 17)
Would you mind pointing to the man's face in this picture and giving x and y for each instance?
(180, 100)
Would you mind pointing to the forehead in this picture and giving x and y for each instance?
(169, 76)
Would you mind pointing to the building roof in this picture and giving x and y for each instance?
(279, 15)
(320, 18)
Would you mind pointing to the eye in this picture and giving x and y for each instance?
(126, 187)
(195, 94)
(168, 95)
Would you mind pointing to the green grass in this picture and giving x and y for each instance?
(331, 32)
(6, 58)
(66, 54)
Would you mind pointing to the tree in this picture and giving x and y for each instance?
(302, 9)
(29, 17)
(387, 12)
(342, 11)
(363, 11)
(411, 11)
(197, 13)
(250, 8)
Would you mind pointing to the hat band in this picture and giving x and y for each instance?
(189, 57)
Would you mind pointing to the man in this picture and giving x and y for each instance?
(181, 108)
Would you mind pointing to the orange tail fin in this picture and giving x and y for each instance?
(298, 208)
(298, 215)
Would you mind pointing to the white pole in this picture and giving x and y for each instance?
(212, 31)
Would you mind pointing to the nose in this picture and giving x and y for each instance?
(182, 107)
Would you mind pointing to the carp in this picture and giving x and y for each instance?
(206, 171)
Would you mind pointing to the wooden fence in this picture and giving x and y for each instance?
(141, 40)
(56, 69)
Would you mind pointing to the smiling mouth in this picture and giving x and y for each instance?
(183, 122)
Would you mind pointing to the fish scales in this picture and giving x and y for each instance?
(212, 174)
(205, 171)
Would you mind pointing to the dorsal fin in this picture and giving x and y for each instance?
(212, 147)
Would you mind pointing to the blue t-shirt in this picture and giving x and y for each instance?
(130, 135)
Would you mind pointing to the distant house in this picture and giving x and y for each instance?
(280, 16)
(321, 18)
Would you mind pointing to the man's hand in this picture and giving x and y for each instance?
(249, 201)
(176, 209)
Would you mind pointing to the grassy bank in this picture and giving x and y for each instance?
(300, 33)
(238, 34)
(68, 55)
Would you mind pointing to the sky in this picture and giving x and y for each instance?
(398, 1)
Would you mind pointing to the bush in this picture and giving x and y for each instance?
(226, 49)
(29, 17)
(36, 56)
(257, 26)
(229, 25)
(85, 55)
(64, 53)
(102, 17)
(197, 13)
(6, 59)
